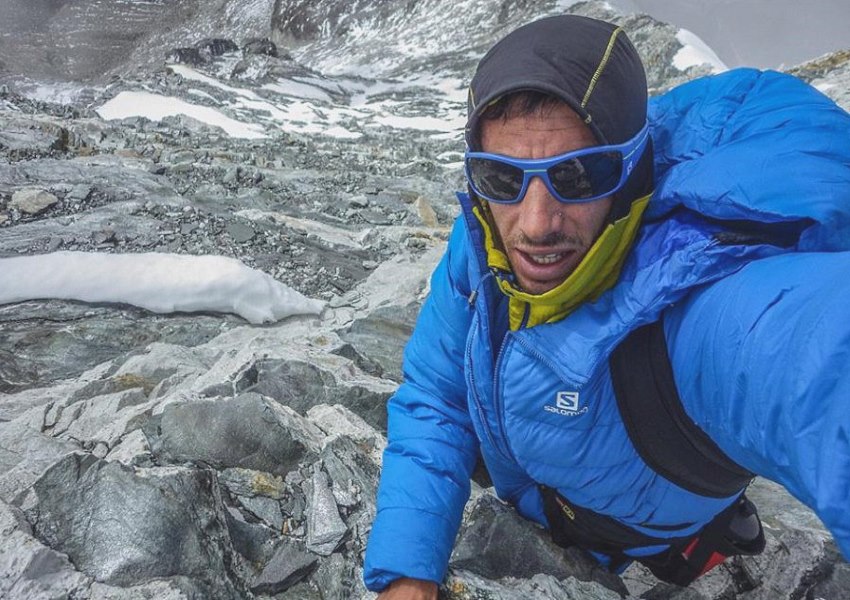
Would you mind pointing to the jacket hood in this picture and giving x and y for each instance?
(763, 152)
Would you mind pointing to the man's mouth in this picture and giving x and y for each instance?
(546, 259)
(539, 272)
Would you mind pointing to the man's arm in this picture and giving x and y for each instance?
(762, 363)
(431, 446)
(410, 589)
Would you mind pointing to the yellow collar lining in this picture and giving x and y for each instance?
(597, 272)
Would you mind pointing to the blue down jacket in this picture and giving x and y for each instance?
(758, 335)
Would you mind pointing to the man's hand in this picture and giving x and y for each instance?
(410, 589)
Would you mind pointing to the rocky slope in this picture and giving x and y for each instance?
(195, 456)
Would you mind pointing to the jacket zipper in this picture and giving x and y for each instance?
(474, 390)
(501, 448)
(498, 405)
(545, 360)
(497, 397)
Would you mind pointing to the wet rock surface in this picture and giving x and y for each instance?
(194, 456)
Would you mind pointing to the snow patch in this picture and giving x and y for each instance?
(160, 283)
(201, 94)
(156, 108)
(290, 87)
(296, 115)
(696, 52)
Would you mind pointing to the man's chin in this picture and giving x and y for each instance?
(537, 288)
(541, 282)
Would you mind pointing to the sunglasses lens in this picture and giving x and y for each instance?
(494, 179)
(587, 176)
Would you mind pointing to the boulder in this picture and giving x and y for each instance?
(325, 528)
(290, 564)
(213, 47)
(28, 568)
(262, 46)
(32, 201)
(249, 431)
(126, 526)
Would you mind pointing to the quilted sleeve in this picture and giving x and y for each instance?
(431, 448)
(762, 363)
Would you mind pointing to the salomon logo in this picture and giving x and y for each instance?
(566, 404)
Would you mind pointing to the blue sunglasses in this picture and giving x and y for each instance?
(579, 176)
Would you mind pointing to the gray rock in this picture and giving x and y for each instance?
(837, 583)
(212, 47)
(778, 509)
(325, 528)
(830, 74)
(496, 542)
(23, 138)
(789, 567)
(464, 586)
(380, 337)
(305, 590)
(131, 450)
(160, 361)
(173, 588)
(54, 244)
(126, 527)
(336, 578)
(425, 212)
(301, 385)
(240, 233)
(24, 455)
(290, 564)
(265, 509)
(248, 431)
(294, 503)
(352, 471)
(246, 482)
(32, 201)
(45, 342)
(79, 193)
(254, 541)
(29, 569)
(338, 421)
(104, 418)
(186, 56)
(260, 46)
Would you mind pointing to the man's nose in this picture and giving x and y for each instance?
(541, 214)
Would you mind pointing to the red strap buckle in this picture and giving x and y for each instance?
(715, 559)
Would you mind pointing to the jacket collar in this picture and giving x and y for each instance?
(597, 272)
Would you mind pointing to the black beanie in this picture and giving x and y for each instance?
(591, 65)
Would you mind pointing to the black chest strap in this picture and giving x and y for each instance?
(665, 437)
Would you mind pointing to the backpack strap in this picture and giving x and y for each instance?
(663, 434)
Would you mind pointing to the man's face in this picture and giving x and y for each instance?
(545, 239)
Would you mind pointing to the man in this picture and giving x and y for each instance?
(633, 316)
